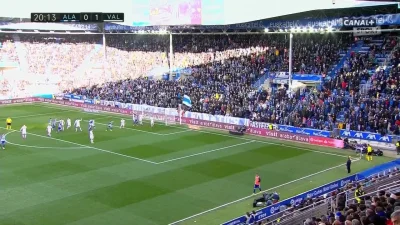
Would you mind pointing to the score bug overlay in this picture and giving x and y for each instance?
(77, 17)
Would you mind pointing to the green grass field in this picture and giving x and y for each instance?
(143, 175)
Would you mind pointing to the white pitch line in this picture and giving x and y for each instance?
(91, 147)
(34, 115)
(201, 153)
(235, 137)
(265, 142)
(250, 196)
(178, 132)
(39, 147)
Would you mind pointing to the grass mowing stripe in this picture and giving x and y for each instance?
(91, 147)
(226, 135)
(33, 115)
(266, 142)
(249, 196)
(201, 153)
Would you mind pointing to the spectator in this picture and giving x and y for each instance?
(395, 217)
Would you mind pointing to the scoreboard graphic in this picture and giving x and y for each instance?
(76, 17)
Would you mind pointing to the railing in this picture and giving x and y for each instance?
(353, 200)
(397, 182)
(291, 216)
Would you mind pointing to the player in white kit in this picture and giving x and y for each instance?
(151, 122)
(78, 125)
(68, 123)
(91, 135)
(3, 141)
(23, 131)
(122, 123)
(140, 119)
(49, 128)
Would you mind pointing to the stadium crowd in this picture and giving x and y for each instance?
(377, 208)
(380, 208)
(223, 69)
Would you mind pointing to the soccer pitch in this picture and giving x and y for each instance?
(143, 175)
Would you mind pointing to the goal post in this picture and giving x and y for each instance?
(169, 117)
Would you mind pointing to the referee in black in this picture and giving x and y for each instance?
(348, 165)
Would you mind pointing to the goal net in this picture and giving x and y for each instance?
(160, 115)
(169, 117)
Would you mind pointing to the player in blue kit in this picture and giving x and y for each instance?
(53, 123)
(3, 141)
(60, 127)
(110, 126)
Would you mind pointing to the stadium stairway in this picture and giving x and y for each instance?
(382, 60)
(345, 55)
(21, 52)
(261, 80)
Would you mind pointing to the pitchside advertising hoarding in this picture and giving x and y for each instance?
(319, 137)
(367, 136)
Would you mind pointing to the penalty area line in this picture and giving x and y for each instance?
(201, 153)
(91, 147)
(39, 147)
(250, 196)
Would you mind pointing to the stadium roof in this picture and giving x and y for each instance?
(209, 12)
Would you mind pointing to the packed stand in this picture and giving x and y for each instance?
(311, 53)
(223, 69)
(356, 98)
(56, 54)
(8, 52)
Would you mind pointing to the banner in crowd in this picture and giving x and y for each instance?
(282, 77)
(307, 131)
(307, 77)
(366, 136)
(276, 208)
(366, 31)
